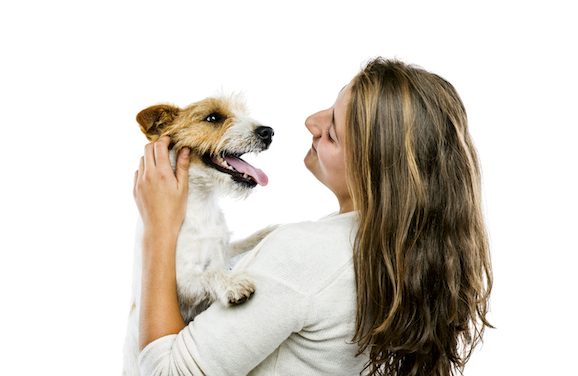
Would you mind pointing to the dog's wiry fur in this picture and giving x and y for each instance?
(213, 129)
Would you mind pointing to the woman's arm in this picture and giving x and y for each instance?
(161, 196)
(222, 340)
(159, 311)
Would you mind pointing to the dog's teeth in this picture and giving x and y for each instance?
(245, 175)
(224, 164)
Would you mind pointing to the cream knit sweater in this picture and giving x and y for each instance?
(300, 321)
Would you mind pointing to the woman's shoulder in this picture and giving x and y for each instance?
(329, 234)
(328, 226)
(307, 254)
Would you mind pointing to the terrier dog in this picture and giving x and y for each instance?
(218, 132)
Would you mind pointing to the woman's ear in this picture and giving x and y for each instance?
(154, 120)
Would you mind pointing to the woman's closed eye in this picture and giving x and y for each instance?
(330, 136)
(331, 130)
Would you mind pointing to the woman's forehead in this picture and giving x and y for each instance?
(343, 98)
(340, 108)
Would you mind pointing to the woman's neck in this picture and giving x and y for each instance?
(345, 204)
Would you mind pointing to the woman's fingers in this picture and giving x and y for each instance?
(161, 152)
(149, 156)
(134, 184)
(182, 170)
(138, 173)
(157, 153)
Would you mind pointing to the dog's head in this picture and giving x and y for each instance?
(218, 132)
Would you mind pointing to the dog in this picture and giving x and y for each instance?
(218, 132)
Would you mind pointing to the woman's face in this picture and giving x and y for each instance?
(326, 158)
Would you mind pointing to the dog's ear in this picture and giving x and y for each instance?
(153, 120)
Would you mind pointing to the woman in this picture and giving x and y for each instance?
(396, 283)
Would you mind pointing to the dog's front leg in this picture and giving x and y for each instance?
(250, 242)
(229, 288)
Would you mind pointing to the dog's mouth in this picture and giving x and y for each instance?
(240, 171)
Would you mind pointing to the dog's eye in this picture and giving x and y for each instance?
(214, 117)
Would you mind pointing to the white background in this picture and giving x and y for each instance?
(73, 74)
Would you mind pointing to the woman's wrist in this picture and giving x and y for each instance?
(158, 256)
(159, 237)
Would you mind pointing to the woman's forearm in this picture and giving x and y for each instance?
(159, 314)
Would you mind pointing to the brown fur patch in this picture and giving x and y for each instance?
(189, 127)
(154, 119)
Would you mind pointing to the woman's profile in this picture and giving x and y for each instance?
(396, 283)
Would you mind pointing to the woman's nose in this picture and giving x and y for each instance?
(310, 124)
(314, 123)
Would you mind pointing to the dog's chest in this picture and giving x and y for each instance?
(204, 237)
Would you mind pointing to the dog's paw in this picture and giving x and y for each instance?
(239, 289)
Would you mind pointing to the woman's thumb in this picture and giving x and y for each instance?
(183, 162)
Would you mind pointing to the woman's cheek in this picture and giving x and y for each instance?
(328, 157)
(322, 155)
(337, 160)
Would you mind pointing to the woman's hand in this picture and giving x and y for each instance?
(160, 193)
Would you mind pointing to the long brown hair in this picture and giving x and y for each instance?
(421, 256)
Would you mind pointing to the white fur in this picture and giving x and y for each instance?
(203, 250)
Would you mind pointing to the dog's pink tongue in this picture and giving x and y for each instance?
(242, 166)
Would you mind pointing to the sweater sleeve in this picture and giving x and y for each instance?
(230, 340)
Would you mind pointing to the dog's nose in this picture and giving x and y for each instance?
(265, 134)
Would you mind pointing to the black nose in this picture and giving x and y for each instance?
(265, 134)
